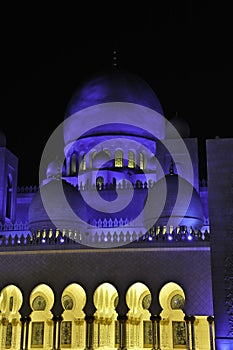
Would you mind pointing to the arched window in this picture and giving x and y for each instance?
(73, 164)
(100, 183)
(131, 159)
(142, 161)
(84, 163)
(138, 184)
(9, 196)
(92, 156)
(119, 159)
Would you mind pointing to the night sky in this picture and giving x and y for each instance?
(182, 51)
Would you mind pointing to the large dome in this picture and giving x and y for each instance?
(113, 85)
(113, 102)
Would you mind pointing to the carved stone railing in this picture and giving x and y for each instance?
(102, 237)
(27, 189)
(17, 226)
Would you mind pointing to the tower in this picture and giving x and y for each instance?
(8, 182)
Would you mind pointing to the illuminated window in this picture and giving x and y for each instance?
(84, 163)
(131, 159)
(142, 161)
(119, 159)
(73, 164)
(92, 156)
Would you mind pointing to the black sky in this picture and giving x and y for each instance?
(182, 50)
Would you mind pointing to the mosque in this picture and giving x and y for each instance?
(120, 246)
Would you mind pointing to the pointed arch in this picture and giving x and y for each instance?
(100, 183)
(131, 159)
(83, 164)
(118, 159)
(73, 326)
(106, 326)
(73, 164)
(40, 328)
(142, 163)
(138, 299)
(92, 156)
(11, 300)
(172, 299)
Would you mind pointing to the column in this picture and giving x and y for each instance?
(158, 319)
(23, 329)
(154, 330)
(210, 319)
(192, 320)
(4, 322)
(57, 332)
(186, 318)
(14, 323)
(54, 332)
(122, 320)
(28, 320)
(59, 320)
(89, 332)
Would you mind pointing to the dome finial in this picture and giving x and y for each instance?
(114, 58)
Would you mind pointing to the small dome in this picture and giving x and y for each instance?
(51, 193)
(54, 169)
(181, 126)
(113, 85)
(187, 212)
(100, 159)
(78, 214)
(2, 139)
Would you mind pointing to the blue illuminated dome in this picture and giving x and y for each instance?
(113, 85)
(38, 216)
(187, 212)
(59, 216)
(54, 169)
(94, 97)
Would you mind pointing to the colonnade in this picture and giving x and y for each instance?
(94, 333)
(105, 328)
